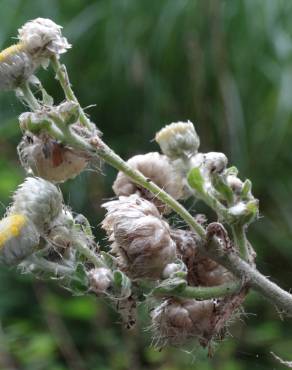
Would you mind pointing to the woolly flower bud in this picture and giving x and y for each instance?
(46, 158)
(175, 322)
(18, 238)
(39, 200)
(43, 38)
(235, 183)
(178, 139)
(210, 162)
(16, 67)
(155, 167)
(141, 238)
(100, 279)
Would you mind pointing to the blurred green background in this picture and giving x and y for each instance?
(225, 65)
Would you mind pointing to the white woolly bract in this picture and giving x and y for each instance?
(157, 168)
(238, 210)
(39, 200)
(171, 269)
(209, 162)
(235, 183)
(16, 67)
(179, 139)
(44, 157)
(100, 279)
(141, 238)
(18, 238)
(43, 38)
(175, 322)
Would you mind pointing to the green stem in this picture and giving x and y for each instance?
(240, 240)
(200, 292)
(216, 205)
(29, 97)
(48, 266)
(63, 78)
(89, 254)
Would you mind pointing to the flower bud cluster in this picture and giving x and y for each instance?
(207, 173)
(141, 238)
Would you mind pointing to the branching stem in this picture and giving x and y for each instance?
(231, 260)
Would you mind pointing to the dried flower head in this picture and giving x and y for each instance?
(155, 167)
(16, 67)
(18, 238)
(178, 139)
(175, 322)
(43, 38)
(100, 280)
(202, 271)
(39, 200)
(44, 157)
(141, 239)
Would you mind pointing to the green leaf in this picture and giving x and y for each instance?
(196, 180)
(246, 189)
(231, 171)
(221, 186)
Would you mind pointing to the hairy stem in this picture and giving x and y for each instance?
(44, 265)
(63, 78)
(89, 254)
(240, 240)
(241, 269)
(29, 97)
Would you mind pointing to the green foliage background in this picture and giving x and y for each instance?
(225, 65)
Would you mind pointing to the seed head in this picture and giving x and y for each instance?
(43, 38)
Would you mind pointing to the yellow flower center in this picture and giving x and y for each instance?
(11, 50)
(10, 227)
